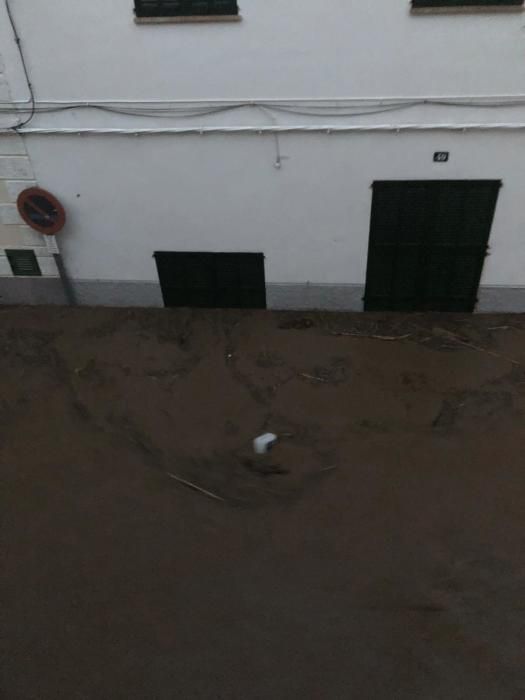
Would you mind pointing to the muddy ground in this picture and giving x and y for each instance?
(377, 552)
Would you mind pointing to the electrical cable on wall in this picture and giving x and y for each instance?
(183, 112)
(268, 107)
(375, 106)
(18, 41)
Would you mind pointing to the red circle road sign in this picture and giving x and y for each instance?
(41, 210)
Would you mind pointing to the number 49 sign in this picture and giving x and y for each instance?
(441, 156)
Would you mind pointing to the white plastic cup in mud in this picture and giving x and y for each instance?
(264, 443)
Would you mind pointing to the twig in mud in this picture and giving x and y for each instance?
(388, 338)
(499, 328)
(193, 486)
(478, 348)
(455, 338)
(490, 352)
(311, 376)
(328, 469)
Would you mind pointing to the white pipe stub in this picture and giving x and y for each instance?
(264, 443)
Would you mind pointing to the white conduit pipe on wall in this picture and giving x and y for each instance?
(328, 101)
(327, 129)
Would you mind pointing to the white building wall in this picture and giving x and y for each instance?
(127, 196)
(16, 174)
(93, 50)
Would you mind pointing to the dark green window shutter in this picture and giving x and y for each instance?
(212, 280)
(23, 263)
(185, 8)
(466, 3)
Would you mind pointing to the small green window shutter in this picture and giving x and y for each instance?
(23, 263)
(185, 8)
(466, 3)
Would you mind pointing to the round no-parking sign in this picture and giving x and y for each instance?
(41, 210)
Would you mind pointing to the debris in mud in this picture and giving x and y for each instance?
(296, 324)
(125, 381)
(474, 406)
(264, 443)
(264, 468)
(465, 343)
(193, 486)
(334, 373)
(242, 479)
(389, 338)
(312, 377)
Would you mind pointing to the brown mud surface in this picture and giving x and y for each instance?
(377, 552)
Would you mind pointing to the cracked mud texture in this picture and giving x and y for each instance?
(377, 552)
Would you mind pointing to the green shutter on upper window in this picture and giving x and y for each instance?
(467, 3)
(185, 8)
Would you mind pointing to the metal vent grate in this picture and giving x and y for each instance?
(23, 263)
(185, 8)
